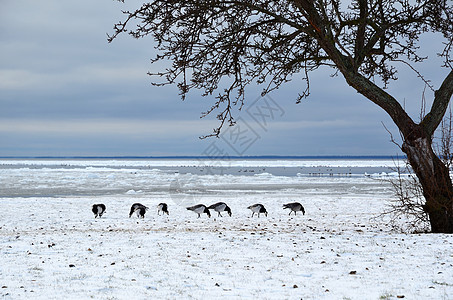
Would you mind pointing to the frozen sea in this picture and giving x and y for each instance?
(343, 248)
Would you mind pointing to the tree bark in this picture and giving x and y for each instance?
(435, 179)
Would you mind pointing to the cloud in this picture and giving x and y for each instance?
(62, 86)
(18, 79)
(109, 127)
(315, 124)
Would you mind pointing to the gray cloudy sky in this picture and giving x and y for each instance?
(64, 91)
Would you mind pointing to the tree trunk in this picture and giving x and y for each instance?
(432, 173)
(435, 179)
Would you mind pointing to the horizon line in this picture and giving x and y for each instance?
(205, 157)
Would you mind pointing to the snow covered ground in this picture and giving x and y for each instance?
(52, 246)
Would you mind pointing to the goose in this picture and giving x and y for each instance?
(219, 207)
(98, 210)
(162, 207)
(199, 209)
(139, 209)
(294, 207)
(257, 208)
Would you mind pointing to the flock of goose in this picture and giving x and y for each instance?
(140, 209)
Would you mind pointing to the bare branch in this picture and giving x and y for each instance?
(441, 100)
(268, 42)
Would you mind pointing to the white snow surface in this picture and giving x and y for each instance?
(52, 247)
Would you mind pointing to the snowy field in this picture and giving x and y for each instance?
(52, 247)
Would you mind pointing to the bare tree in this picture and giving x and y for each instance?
(211, 43)
(409, 203)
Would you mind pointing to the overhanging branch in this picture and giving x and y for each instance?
(441, 100)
